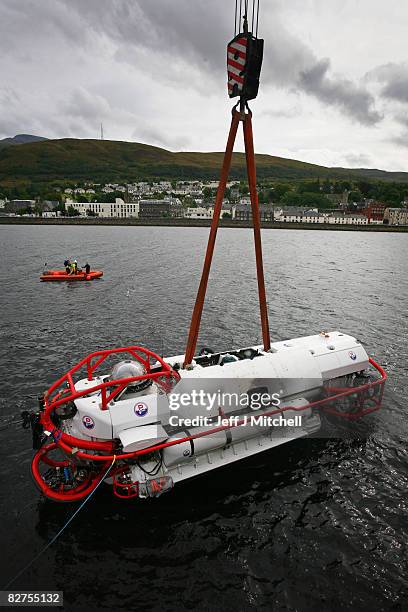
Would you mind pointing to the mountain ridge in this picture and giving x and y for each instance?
(19, 139)
(76, 160)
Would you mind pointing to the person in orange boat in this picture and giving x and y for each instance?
(74, 267)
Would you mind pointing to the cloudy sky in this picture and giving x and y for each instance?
(334, 85)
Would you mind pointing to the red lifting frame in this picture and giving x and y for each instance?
(165, 376)
(246, 119)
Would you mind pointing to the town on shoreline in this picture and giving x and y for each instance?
(320, 204)
(193, 223)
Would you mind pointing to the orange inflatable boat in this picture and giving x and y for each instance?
(61, 275)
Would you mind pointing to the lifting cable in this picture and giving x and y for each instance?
(51, 542)
(257, 19)
(250, 15)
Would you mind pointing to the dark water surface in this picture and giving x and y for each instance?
(313, 525)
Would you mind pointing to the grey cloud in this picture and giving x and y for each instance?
(394, 78)
(397, 90)
(9, 96)
(356, 101)
(102, 49)
(402, 119)
(150, 135)
(358, 160)
(85, 110)
(195, 33)
(196, 36)
(86, 105)
(10, 126)
(282, 113)
(29, 23)
(401, 139)
(13, 116)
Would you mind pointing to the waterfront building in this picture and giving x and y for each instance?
(51, 214)
(167, 208)
(347, 219)
(313, 216)
(227, 210)
(293, 214)
(16, 205)
(198, 212)
(299, 215)
(243, 212)
(374, 211)
(396, 216)
(119, 208)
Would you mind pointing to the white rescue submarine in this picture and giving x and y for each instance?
(157, 424)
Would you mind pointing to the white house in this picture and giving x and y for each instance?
(298, 215)
(292, 214)
(227, 208)
(119, 208)
(198, 213)
(347, 219)
(312, 216)
(51, 214)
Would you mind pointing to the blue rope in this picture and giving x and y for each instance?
(51, 542)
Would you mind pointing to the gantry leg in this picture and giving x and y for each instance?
(198, 307)
(251, 171)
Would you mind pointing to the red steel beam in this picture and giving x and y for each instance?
(251, 170)
(199, 303)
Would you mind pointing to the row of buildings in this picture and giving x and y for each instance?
(173, 208)
(143, 188)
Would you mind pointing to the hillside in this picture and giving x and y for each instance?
(104, 160)
(20, 139)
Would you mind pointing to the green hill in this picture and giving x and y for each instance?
(20, 139)
(110, 161)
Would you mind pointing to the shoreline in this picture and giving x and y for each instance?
(128, 222)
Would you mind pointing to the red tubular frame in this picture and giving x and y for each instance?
(338, 394)
(124, 490)
(54, 401)
(55, 397)
(76, 494)
(72, 446)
